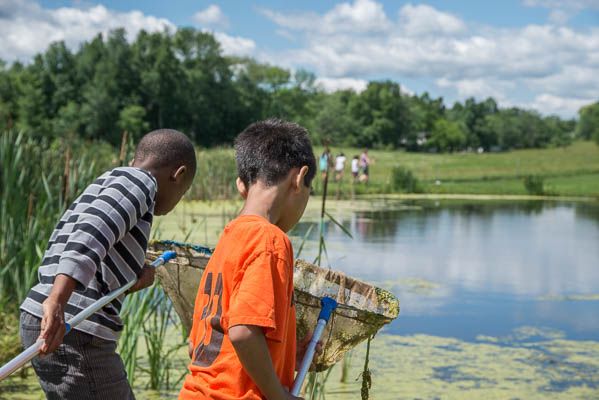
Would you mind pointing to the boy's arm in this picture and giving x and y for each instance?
(52, 326)
(104, 222)
(251, 348)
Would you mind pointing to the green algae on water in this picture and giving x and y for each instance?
(571, 297)
(530, 363)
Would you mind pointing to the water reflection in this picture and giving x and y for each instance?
(492, 263)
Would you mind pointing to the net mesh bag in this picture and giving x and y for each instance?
(363, 308)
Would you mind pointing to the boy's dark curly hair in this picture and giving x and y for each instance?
(268, 150)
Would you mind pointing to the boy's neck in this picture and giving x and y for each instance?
(264, 201)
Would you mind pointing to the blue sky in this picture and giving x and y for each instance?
(541, 54)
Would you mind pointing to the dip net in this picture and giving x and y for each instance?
(363, 308)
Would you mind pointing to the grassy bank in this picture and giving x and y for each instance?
(567, 171)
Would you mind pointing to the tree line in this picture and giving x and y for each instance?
(182, 80)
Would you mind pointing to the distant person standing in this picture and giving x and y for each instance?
(324, 162)
(355, 167)
(364, 164)
(339, 166)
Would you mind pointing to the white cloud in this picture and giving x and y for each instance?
(27, 29)
(479, 88)
(423, 20)
(562, 106)
(235, 45)
(572, 81)
(424, 43)
(362, 16)
(333, 84)
(212, 16)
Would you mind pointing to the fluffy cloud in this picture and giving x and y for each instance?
(362, 16)
(212, 16)
(559, 105)
(27, 29)
(334, 84)
(422, 20)
(18, 41)
(532, 65)
(235, 45)
(478, 87)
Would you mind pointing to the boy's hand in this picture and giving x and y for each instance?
(52, 327)
(145, 279)
(301, 347)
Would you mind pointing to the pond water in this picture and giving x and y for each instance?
(473, 269)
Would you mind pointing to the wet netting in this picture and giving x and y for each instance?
(363, 308)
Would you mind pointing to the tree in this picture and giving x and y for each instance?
(208, 96)
(68, 120)
(472, 117)
(132, 120)
(588, 122)
(383, 112)
(424, 112)
(33, 104)
(333, 122)
(8, 95)
(157, 60)
(447, 136)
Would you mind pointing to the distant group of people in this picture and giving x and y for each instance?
(359, 165)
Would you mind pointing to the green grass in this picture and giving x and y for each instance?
(577, 185)
(568, 171)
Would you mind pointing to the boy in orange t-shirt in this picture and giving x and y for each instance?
(242, 342)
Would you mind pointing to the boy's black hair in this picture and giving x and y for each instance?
(168, 147)
(268, 150)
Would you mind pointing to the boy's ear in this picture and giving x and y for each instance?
(300, 177)
(179, 173)
(243, 191)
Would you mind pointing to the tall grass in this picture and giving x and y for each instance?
(215, 176)
(37, 182)
(148, 314)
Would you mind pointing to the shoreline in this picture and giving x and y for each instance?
(482, 197)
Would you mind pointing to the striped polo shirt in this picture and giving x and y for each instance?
(100, 241)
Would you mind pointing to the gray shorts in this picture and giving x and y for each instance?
(82, 367)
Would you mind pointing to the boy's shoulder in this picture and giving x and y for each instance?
(131, 175)
(256, 234)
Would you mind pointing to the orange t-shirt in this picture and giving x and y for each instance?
(248, 281)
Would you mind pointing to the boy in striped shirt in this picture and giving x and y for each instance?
(98, 245)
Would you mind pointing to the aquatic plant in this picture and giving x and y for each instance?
(534, 184)
(403, 180)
